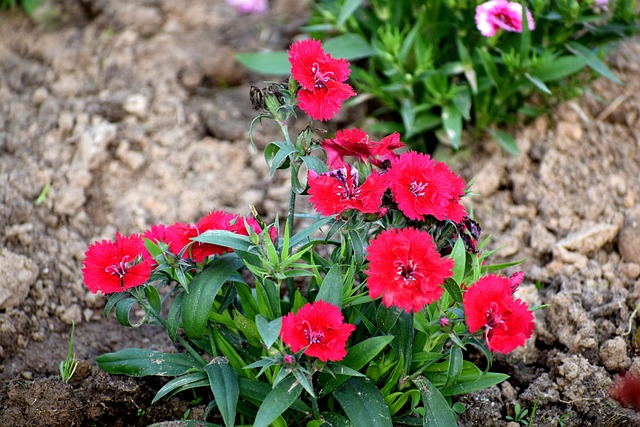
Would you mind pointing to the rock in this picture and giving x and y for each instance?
(136, 104)
(93, 143)
(629, 238)
(614, 354)
(542, 240)
(590, 239)
(487, 181)
(19, 273)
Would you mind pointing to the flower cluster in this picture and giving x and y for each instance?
(393, 291)
(115, 266)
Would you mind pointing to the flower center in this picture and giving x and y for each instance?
(417, 188)
(408, 272)
(119, 269)
(320, 78)
(506, 20)
(348, 178)
(494, 317)
(313, 336)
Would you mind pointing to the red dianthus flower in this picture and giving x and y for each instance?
(114, 266)
(421, 186)
(319, 327)
(356, 143)
(489, 304)
(406, 269)
(338, 190)
(179, 235)
(321, 78)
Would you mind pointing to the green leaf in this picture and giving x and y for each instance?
(277, 401)
(224, 385)
(347, 10)
(112, 301)
(140, 362)
(258, 391)
(331, 288)
(592, 61)
(275, 63)
(363, 403)
(185, 382)
(227, 239)
(277, 153)
(303, 236)
(153, 297)
(525, 35)
(485, 380)
(452, 123)
(314, 164)
(489, 65)
(455, 365)
(437, 412)
(174, 316)
(506, 141)
(202, 292)
(453, 289)
(348, 46)
(459, 256)
(123, 309)
(558, 68)
(357, 357)
(269, 330)
(538, 83)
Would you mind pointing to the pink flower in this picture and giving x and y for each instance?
(495, 14)
(421, 186)
(338, 190)
(489, 304)
(115, 266)
(406, 269)
(321, 78)
(318, 327)
(249, 6)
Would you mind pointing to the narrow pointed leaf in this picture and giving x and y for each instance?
(363, 403)
(279, 399)
(437, 412)
(269, 330)
(195, 379)
(140, 362)
(203, 290)
(331, 288)
(226, 391)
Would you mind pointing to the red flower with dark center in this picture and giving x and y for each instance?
(114, 266)
(321, 78)
(338, 190)
(356, 143)
(319, 327)
(406, 269)
(489, 304)
(421, 186)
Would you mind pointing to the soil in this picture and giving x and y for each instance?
(136, 113)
